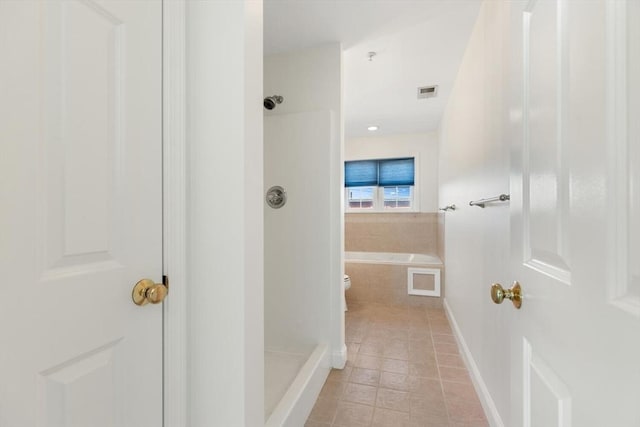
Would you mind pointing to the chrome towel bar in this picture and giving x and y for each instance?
(480, 203)
(448, 208)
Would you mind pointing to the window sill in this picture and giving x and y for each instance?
(367, 211)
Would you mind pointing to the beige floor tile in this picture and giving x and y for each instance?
(420, 335)
(368, 362)
(324, 410)
(354, 335)
(421, 356)
(428, 369)
(397, 349)
(394, 381)
(353, 415)
(359, 393)
(446, 348)
(426, 387)
(332, 389)
(388, 418)
(459, 391)
(427, 407)
(422, 346)
(404, 369)
(447, 339)
(466, 412)
(372, 347)
(353, 348)
(393, 399)
(469, 424)
(454, 374)
(442, 329)
(365, 376)
(395, 365)
(340, 374)
(453, 360)
(312, 423)
(379, 333)
(420, 421)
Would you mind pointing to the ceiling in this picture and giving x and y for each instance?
(417, 43)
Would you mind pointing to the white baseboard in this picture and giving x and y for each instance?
(339, 358)
(486, 400)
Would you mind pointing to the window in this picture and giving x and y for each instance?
(379, 185)
(397, 197)
(361, 197)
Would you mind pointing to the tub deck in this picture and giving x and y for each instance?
(392, 258)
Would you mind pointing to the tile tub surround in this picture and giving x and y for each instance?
(386, 284)
(403, 370)
(414, 233)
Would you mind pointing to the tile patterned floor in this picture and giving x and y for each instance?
(403, 370)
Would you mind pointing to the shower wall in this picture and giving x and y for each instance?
(303, 239)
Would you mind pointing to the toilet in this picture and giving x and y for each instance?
(347, 285)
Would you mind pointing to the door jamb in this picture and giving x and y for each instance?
(174, 212)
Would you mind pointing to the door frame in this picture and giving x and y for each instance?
(174, 203)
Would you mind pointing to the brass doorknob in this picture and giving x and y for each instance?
(498, 294)
(147, 291)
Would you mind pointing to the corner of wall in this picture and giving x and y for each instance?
(473, 163)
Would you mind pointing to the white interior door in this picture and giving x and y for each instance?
(576, 213)
(80, 161)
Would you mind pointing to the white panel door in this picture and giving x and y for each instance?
(80, 194)
(574, 123)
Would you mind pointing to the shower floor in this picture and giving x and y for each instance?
(280, 369)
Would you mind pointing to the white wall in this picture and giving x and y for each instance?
(225, 235)
(474, 164)
(424, 146)
(304, 240)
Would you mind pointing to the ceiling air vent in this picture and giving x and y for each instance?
(427, 92)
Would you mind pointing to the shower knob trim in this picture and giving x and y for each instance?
(276, 197)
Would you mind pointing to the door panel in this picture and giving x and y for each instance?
(81, 223)
(546, 183)
(81, 392)
(82, 140)
(547, 399)
(574, 214)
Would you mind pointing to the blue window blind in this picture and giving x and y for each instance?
(395, 172)
(382, 173)
(361, 173)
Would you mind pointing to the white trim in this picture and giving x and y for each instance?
(339, 357)
(435, 272)
(174, 213)
(489, 406)
(296, 404)
(618, 161)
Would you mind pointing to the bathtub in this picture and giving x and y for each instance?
(401, 279)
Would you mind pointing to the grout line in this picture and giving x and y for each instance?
(444, 399)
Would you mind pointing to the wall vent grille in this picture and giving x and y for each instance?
(427, 92)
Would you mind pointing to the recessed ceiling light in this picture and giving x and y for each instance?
(372, 128)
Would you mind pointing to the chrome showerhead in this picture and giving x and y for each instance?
(271, 101)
